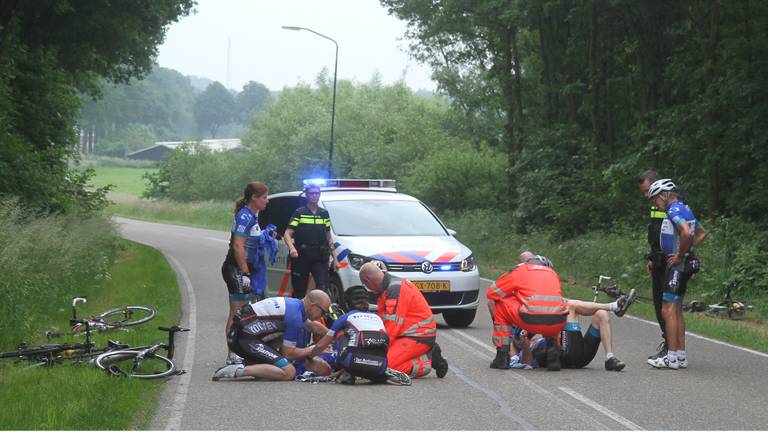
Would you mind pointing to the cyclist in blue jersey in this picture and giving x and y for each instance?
(244, 270)
(270, 334)
(680, 233)
(361, 342)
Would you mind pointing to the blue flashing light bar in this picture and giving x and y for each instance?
(353, 183)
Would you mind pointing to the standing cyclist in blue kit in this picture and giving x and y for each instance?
(244, 269)
(680, 233)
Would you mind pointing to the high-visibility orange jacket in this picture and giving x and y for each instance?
(406, 313)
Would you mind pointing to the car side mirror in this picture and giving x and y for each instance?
(452, 232)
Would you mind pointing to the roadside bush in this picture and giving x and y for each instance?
(42, 260)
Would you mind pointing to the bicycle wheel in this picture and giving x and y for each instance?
(126, 316)
(124, 363)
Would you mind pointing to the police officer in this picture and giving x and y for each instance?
(308, 237)
(656, 260)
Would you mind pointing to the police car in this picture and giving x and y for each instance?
(370, 220)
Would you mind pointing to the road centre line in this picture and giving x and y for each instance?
(182, 387)
(603, 410)
(549, 396)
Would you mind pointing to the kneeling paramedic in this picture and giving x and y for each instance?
(361, 342)
(409, 324)
(529, 297)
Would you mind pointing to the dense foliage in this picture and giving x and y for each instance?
(50, 52)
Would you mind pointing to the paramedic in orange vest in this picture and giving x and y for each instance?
(408, 322)
(529, 297)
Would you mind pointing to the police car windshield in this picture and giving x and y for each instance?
(382, 218)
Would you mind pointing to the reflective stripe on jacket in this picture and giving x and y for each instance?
(406, 313)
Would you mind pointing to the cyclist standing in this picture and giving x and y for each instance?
(308, 237)
(657, 261)
(244, 270)
(680, 232)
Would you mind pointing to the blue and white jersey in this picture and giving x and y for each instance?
(361, 328)
(678, 213)
(274, 317)
(246, 224)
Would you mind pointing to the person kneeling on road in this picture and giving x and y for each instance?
(361, 343)
(577, 350)
(257, 326)
(409, 324)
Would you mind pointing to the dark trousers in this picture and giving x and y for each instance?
(658, 275)
(313, 262)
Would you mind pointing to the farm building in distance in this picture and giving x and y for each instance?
(160, 150)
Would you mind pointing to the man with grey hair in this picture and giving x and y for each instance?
(408, 322)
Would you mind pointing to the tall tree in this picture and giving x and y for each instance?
(253, 98)
(50, 50)
(214, 107)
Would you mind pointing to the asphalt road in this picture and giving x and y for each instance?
(724, 387)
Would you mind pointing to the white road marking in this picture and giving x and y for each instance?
(597, 407)
(217, 239)
(550, 397)
(182, 387)
(698, 336)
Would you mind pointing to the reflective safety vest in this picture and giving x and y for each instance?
(537, 289)
(406, 313)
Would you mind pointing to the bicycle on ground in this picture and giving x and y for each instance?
(730, 308)
(112, 319)
(612, 291)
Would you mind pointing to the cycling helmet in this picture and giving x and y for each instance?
(541, 260)
(356, 295)
(659, 186)
(332, 314)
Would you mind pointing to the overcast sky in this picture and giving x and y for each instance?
(369, 40)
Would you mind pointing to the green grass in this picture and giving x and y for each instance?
(207, 214)
(80, 397)
(125, 180)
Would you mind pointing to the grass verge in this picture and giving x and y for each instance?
(80, 397)
(125, 179)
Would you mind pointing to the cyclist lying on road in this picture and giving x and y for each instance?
(576, 350)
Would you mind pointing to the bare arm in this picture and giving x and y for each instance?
(699, 235)
(238, 245)
(288, 239)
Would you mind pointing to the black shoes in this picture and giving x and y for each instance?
(502, 358)
(614, 364)
(553, 355)
(439, 363)
(624, 301)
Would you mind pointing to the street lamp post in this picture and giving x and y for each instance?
(333, 105)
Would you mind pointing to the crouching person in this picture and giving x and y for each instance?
(258, 326)
(361, 343)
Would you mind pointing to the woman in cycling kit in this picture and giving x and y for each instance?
(244, 270)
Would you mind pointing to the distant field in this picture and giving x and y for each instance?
(126, 180)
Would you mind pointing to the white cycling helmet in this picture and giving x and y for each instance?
(541, 260)
(659, 186)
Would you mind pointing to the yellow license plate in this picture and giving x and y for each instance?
(432, 286)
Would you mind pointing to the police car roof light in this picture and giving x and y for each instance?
(353, 183)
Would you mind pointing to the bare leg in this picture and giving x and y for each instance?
(602, 321)
(318, 366)
(672, 324)
(270, 372)
(586, 308)
(681, 326)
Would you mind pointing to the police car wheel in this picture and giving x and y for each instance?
(459, 318)
(335, 290)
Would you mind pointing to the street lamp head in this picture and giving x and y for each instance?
(292, 28)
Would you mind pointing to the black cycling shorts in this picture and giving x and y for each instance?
(231, 274)
(364, 363)
(675, 283)
(579, 349)
(253, 349)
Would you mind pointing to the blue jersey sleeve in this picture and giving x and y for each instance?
(294, 324)
(339, 324)
(244, 220)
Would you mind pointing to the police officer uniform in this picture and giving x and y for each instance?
(310, 231)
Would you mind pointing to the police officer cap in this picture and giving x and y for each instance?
(355, 295)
